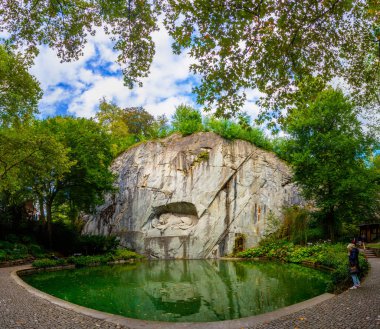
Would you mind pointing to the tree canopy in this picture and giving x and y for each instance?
(19, 91)
(236, 44)
(89, 151)
(27, 153)
(129, 125)
(330, 156)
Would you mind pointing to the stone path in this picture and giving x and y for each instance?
(21, 309)
(353, 309)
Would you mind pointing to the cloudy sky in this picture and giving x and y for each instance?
(75, 88)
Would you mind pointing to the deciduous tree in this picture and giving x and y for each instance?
(236, 44)
(90, 152)
(329, 153)
(129, 125)
(85, 178)
(19, 91)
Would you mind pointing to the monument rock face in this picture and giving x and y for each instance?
(199, 196)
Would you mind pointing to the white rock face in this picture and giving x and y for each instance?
(193, 197)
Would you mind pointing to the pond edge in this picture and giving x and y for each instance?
(145, 324)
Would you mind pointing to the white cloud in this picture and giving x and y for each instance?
(86, 103)
(168, 105)
(81, 84)
(51, 97)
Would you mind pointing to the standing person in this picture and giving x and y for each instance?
(353, 259)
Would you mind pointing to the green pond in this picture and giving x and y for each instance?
(184, 290)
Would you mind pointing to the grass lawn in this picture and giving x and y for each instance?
(373, 245)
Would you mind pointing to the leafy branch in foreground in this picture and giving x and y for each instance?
(236, 45)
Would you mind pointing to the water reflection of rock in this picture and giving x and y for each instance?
(171, 289)
(226, 290)
(189, 291)
(178, 298)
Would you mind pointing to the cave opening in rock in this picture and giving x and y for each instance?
(180, 208)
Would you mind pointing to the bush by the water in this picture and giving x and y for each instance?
(81, 261)
(66, 239)
(117, 255)
(333, 256)
(96, 244)
(47, 262)
(123, 254)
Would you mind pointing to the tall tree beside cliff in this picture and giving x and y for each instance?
(19, 96)
(129, 125)
(236, 44)
(88, 178)
(21, 148)
(329, 151)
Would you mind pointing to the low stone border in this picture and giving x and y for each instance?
(71, 266)
(45, 269)
(317, 266)
(17, 262)
(304, 263)
(143, 324)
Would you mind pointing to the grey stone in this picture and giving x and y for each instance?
(192, 197)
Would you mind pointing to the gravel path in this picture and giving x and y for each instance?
(21, 309)
(353, 309)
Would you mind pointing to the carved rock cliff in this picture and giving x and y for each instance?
(198, 196)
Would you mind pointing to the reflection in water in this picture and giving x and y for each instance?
(185, 290)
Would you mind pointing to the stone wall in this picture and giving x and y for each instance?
(193, 197)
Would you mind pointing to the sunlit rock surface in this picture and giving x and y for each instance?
(198, 196)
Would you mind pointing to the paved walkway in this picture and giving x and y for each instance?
(353, 309)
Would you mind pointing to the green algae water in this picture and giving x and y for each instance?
(184, 290)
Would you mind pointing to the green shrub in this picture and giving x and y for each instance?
(373, 245)
(97, 244)
(277, 250)
(6, 245)
(89, 260)
(187, 120)
(27, 239)
(232, 131)
(333, 256)
(46, 262)
(3, 255)
(314, 234)
(126, 254)
(13, 251)
(272, 229)
(120, 254)
(36, 251)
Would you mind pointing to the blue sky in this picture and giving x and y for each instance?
(75, 88)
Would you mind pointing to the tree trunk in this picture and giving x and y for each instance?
(42, 210)
(49, 221)
(330, 221)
